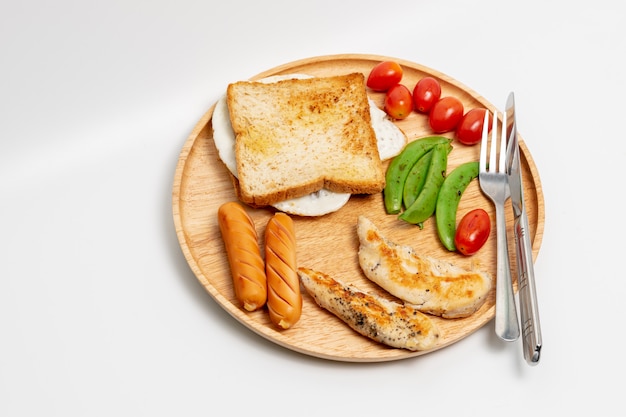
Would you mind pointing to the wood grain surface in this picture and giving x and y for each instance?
(329, 243)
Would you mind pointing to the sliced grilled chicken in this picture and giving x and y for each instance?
(382, 320)
(431, 285)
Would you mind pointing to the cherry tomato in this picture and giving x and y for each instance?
(472, 232)
(398, 102)
(427, 92)
(470, 128)
(384, 75)
(445, 114)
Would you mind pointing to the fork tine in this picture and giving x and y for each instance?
(482, 162)
(502, 155)
(493, 151)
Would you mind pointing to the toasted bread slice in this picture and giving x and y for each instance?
(297, 136)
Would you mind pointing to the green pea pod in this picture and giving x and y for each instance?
(448, 201)
(424, 206)
(415, 180)
(400, 166)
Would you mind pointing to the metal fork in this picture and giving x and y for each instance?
(494, 183)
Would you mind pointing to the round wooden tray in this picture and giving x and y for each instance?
(329, 243)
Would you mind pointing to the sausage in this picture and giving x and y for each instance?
(244, 255)
(284, 299)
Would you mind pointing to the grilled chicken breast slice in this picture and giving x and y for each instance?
(382, 320)
(432, 286)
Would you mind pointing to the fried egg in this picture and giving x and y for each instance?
(391, 140)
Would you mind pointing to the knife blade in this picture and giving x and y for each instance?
(529, 311)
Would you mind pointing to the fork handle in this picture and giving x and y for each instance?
(507, 325)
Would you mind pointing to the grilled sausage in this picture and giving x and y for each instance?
(244, 255)
(284, 299)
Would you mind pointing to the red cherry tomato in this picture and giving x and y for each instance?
(470, 128)
(384, 75)
(445, 114)
(472, 232)
(427, 92)
(398, 102)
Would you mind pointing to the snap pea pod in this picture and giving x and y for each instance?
(424, 206)
(400, 166)
(448, 201)
(415, 180)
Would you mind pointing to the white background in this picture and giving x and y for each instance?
(100, 314)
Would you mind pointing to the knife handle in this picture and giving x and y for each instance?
(529, 311)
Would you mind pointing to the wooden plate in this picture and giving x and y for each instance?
(329, 243)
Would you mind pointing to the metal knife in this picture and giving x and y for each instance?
(529, 312)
